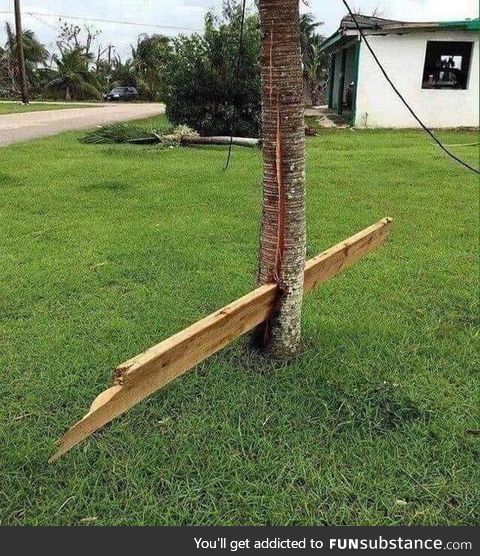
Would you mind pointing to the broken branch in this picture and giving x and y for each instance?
(192, 140)
(220, 140)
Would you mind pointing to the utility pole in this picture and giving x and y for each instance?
(109, 76)
(20, 54)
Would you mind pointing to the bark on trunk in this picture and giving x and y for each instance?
(283, 235)
(315, 94)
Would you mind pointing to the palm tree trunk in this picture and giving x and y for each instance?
(315, 93)
(283, 235)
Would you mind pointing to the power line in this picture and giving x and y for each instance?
(117, 22)
(402, 98)
(237, 75)
(41, 21)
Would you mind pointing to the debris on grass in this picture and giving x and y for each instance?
(183, 131)
(89, 519)
(118, 133)
(181, 135)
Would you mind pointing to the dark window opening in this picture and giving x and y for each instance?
(447, 65)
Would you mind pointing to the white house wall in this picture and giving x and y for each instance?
(403, 56)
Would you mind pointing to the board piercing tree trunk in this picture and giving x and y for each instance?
(283, 231)
(283, 275)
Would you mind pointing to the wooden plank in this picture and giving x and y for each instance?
(343, 255)
(141, 376)
(150, 371)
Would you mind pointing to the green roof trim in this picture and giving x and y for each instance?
(466, 24)
(401, 26)
(331, 41)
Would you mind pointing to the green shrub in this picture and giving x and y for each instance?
(202, 89)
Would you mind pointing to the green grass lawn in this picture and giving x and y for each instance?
(17, 108)
(105, 251)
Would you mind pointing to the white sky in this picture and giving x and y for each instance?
(189, 14)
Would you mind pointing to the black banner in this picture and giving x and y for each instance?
(220, 541)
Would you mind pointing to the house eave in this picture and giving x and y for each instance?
(337, 40)
(468, 25)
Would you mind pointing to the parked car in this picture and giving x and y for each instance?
(121, 93)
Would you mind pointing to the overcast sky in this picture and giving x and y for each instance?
(189, 14)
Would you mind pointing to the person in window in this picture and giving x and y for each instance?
(439, 70)
(450, 75)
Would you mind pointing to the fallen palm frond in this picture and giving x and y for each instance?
(119, 133)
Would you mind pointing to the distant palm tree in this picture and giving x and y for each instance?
(315, 68)
(73, 76)
(35, 54)
(123, 73)
(149, 58)
(315, 63)
(34, 51)
(308, 32)
(3, 66)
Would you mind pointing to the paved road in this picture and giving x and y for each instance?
(32, 125)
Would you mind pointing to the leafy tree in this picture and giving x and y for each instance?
(315, 63)
(150, 59)
(315, 69)
(74, 37)
(3, 71)
(84, 41)
(202, 86)
(73, 76)
(35, 54)
(123, 73)
(308, 32)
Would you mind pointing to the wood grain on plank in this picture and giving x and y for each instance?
(150, 371)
